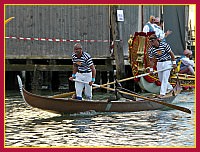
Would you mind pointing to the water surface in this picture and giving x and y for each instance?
(31, 127)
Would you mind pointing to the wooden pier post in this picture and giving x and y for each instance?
(116, 28)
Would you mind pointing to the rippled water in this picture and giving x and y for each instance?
(31, 127)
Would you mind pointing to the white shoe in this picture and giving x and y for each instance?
(169, 90)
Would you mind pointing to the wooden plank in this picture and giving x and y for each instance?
(64, 22)
(20, 67)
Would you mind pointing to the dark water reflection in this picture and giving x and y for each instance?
(31, 127)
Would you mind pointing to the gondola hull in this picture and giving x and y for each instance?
(68, 105)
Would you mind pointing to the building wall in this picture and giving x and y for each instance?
(66, 22)
(136, 17)
(60, 22)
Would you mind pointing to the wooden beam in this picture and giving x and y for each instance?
(29, 67)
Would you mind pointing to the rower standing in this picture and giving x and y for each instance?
(83, 70)
(165, 59)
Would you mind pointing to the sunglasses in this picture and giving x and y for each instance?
(77, 49)
(152, 40)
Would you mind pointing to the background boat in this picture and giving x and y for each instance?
(140, 63)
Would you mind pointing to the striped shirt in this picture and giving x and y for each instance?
(84, 62)
(161, 53)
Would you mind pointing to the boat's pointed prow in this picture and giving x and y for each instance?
(20, 83)
(21, 87)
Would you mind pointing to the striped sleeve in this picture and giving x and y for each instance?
(73, 58)
(150, 52)
(88, 59)
(167, 47)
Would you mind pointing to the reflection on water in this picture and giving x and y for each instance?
(31, 127)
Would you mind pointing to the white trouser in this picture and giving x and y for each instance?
(164, 76)
(191, 69)
(86, 77)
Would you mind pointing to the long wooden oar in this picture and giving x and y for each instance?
(137, 76)
(142, 97)
(159, 102)
(63, 95)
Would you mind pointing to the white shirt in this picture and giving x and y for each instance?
(159, 32)
(186, 61)
(147, 29)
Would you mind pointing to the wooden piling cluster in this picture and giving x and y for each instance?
(51, 74)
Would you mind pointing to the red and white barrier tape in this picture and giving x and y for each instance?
(56, 40)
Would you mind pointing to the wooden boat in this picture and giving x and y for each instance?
(153, 86)
(140, 63)
(68, 105)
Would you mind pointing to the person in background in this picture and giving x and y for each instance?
(165, 59)
(185, 64)
(149, 26)
(158, 26)
(83, 70)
